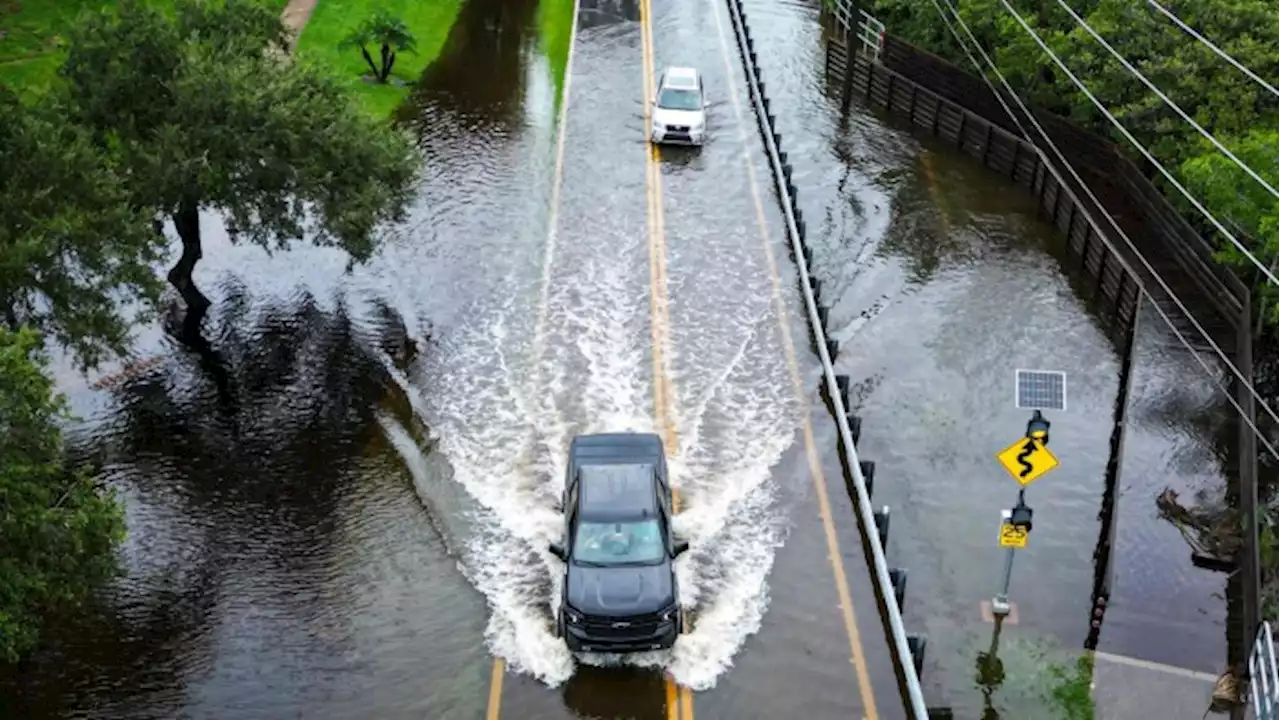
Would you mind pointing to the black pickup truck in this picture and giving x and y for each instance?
(619, 582)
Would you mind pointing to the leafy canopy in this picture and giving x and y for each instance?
(1224, 188)
(71, 246)
(58, 530)
(1221, 99)
(202, 111)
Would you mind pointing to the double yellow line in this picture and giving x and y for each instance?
(663, 393)
(679, 699)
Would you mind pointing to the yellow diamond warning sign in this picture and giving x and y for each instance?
(1027, 460)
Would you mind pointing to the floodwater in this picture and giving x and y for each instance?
(356, 521)
(945, 284)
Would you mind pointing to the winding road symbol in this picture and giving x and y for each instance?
(1028, 449)
(1027, 460)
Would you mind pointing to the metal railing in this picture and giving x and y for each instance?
(861, 26)
(909, 660)
(1263, 680)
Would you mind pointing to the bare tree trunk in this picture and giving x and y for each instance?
(373, 67)
(386, 66)
(187, 222)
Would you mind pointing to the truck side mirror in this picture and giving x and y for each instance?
(558, 550)
(679, 548)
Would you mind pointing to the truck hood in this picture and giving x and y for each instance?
(678, 117)
(620, 591)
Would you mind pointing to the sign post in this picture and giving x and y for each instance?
(1015, 528)
(1026, 461)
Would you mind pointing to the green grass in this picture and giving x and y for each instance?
(333, 20)
(33, 44)
(33, 32)
(1072, 691)
(555, 29)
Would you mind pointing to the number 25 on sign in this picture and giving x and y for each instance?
(1027, 461)
(1013, 536)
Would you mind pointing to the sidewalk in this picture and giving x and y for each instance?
(1131, 689)
(295, 17)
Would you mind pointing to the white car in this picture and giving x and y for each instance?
(679, 110)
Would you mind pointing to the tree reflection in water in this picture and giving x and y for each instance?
(222, 469)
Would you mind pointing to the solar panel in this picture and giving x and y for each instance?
(1041, 389)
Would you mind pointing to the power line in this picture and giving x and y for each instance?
(1160, 93)
(1249, 421)
(965, 48)
(1221, 53)
(1141, 148)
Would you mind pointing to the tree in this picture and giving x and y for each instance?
(72, 248)
(1221, 99)
(1221, 185)
(203, 115)
(386, 30)
(57, 527)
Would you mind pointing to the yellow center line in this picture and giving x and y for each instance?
(856, 653)
(494, 710)
(658, 304)
(679, 698)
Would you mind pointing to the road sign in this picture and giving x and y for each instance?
(1013, 536)
(1027, 460)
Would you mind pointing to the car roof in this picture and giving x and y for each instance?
(616, 492)
(680, 77)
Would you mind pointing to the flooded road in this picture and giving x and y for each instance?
(355, 524)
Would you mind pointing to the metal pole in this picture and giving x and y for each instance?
(1000, 603)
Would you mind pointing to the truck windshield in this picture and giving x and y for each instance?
(677, 99)
(619, 543)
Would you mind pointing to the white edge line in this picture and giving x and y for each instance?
(1155, 666)
(866, 514)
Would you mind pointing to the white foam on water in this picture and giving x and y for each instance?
(733, 520)
(496, 419)
(615, 387)
(488, 419)
(482, 423)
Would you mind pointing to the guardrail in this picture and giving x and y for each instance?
(908, 650)
(1263, 675)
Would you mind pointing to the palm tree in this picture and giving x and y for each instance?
(384, 29)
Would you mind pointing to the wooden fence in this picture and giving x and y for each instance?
(1212, 294)
(1161, 250)
(1007, 154)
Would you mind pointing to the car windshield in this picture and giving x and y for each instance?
(619, 543)
(677, 99)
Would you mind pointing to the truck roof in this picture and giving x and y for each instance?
(617, 492)
(616, 448)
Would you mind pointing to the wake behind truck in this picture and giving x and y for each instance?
(620, 586)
